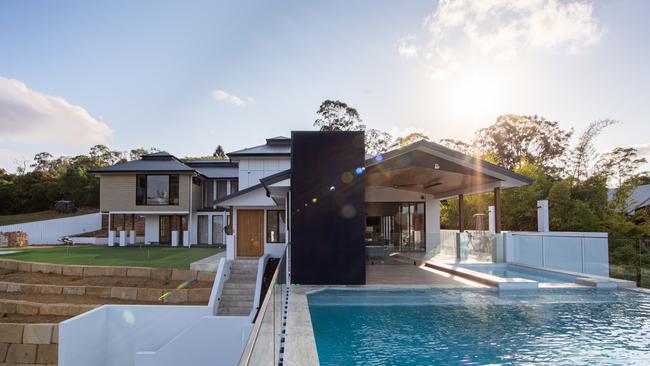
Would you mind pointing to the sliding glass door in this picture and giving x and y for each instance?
(396, 224)
(217, 230)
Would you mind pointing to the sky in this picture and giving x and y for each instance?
(186, 76)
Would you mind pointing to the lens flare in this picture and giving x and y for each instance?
(347, 177)
(128, 317)
(348, 211)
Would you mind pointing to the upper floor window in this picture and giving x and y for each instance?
(156, 189)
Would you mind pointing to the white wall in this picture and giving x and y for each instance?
(252, 170)
(432, 223)
(49, 231)
(568, 251)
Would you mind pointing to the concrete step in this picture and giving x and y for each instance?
(238, 297)
(234, 310)
(239, 284)
(227, 304)
(243, 278)
(237, 291)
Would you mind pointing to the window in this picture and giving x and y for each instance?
(202, 228)
(222, 189)
(234, 186)
(275, 229)
(208, 196)
(156, 190)
(217, 230)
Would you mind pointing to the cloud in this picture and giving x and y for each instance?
(32, 117)
(499, 29)
(221, 96)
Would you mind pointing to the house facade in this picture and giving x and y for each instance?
(315, 190)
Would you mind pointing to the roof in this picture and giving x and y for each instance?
(275, 146)
(157, 162)
(639, 197)
(215, 169)
(239, 193)
(274, 178)
(453, 153)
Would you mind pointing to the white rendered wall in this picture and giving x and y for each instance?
(49, 231)
(252, 170)
(568, 251)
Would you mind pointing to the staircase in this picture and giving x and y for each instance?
(238, 292)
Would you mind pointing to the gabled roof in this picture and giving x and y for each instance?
(639, 197)
(275, 146)
(156, 162)
(472, 161)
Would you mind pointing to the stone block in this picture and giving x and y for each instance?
(138, 272)
(51, 289)
(46, 268)
(3, 351)
(74, 290)
(98, 291)
(9, 264)
(37, 334)
(125, 293)
(28, 288)
(198, 294)
(55, 333)
(24, 266)
(116, 271)
(7, 307)
(21, 353)
(161, 273)
(47, 354)
(177, 297)
(27, 308)
(76, 271)
(183, 274)
(13, 287)
(11, 333)
(94, 271)
(206, 276)
(149, 294)
(3, 286)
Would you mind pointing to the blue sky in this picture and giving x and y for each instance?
(186, 76)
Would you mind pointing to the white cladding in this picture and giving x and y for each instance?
(251, 170)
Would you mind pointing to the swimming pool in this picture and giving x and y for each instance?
(504, 270)
(479, 326)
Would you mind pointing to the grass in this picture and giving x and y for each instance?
(41, 215)
(104, 256)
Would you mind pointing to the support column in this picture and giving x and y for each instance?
(461, 213)
(497, 210)
(432, 223)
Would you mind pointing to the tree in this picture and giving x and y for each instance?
(103, 156)
(334, 115)
(620, 164)
(219, 153)
(583, 155)
(377, 141)
(409, 139)
(42, 162)
(458, 145)
(513, 138)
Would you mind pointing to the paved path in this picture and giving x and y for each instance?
(209, 264)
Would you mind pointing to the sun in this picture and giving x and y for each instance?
(475, 97)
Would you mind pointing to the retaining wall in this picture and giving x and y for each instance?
(29, 344)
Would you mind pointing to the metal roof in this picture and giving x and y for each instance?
(275, 146)
(639, 197)
(156, 162)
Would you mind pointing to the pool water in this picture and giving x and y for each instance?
(514, 271)
(479, 326)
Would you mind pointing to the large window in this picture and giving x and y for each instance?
(202, 229)
(275, 229)
(208, 196)
(156, 190)
(217, 230)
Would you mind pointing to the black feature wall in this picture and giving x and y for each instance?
(327, 208)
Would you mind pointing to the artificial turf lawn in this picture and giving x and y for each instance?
(104, 256)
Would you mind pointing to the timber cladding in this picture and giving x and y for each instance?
(327, 208)
(117, 193)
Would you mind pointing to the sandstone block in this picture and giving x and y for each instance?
(138, 272)
(11, 333)
(161, 273)
(74, 290)
(21, 353)
(98, 291)
(47, 353)
(183, 274)
(37, 334)
(125, 293)
(198, 294)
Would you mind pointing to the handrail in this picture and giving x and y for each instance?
(252, 339)
(261, 265)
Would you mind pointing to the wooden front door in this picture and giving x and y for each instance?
(250, 233)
